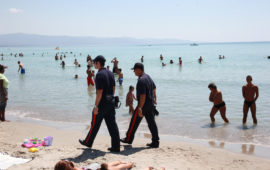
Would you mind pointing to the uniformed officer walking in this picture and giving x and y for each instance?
(104, 106)
(146, 95)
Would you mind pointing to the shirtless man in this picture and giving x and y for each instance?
(219, 104)
(76, 63)
(250, 93)
(21, 67)
(161, 57)
(115, 65)
(200, 60)
(121, 76)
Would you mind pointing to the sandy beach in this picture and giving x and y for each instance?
(171, 155)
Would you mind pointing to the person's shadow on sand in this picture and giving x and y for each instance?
(87, 154)
(129, 150)
(93, 153)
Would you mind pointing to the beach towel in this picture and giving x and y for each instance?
(7, 161)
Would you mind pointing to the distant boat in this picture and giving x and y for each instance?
(193, 44)
(57, 48)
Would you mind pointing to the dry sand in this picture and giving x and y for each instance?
(171, 155)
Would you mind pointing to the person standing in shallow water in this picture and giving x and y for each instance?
(250, 93)
(21, 67)
(219, 104)
(3, 93)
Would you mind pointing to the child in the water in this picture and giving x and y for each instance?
(129, 99)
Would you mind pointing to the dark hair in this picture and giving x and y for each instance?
(64, 165)
(212, 86)
(100, 59)
(249, 76)
(131, 87)
(2, 68)
(19, 62)
(104, 167)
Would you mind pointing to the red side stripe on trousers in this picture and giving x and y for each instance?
(94, 119)
(132, 125)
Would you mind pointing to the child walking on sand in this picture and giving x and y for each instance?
(129, 99)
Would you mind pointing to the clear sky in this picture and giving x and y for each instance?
(196, 20)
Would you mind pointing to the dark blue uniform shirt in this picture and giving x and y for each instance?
(105, 81)
(145, 85)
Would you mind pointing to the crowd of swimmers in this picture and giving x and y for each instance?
(250, 91)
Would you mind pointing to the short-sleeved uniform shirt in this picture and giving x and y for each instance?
(146, 85)
(105, 80)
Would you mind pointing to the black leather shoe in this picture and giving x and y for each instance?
(82, 142)
(123, 140)
(153, 145)
(113, 150)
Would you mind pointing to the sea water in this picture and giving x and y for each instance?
(49, 92)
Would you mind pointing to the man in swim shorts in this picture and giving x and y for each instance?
(250, 93)
(21, 68)
(219, 104)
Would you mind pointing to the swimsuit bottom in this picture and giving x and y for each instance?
(120, 80)
(249, 103)
(218, 106)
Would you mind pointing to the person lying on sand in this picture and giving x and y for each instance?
(118, 165)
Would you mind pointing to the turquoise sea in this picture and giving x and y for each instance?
(48, 92)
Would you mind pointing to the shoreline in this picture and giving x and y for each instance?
(256, 150)
(171, 155)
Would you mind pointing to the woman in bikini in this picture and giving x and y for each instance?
(219, 104)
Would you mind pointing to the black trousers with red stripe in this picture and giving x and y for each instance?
(148, 112)
(108, 114)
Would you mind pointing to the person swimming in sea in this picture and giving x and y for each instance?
(163, 64)
(161, 57)
(21, 67)
(142, 59)
(171, 61)
(180, 61)
(56, 57)
(76, 63)
(219, 104)
(63, 64)
(200, 60)
(250, 93)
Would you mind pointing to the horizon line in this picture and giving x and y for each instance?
(149, 38)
